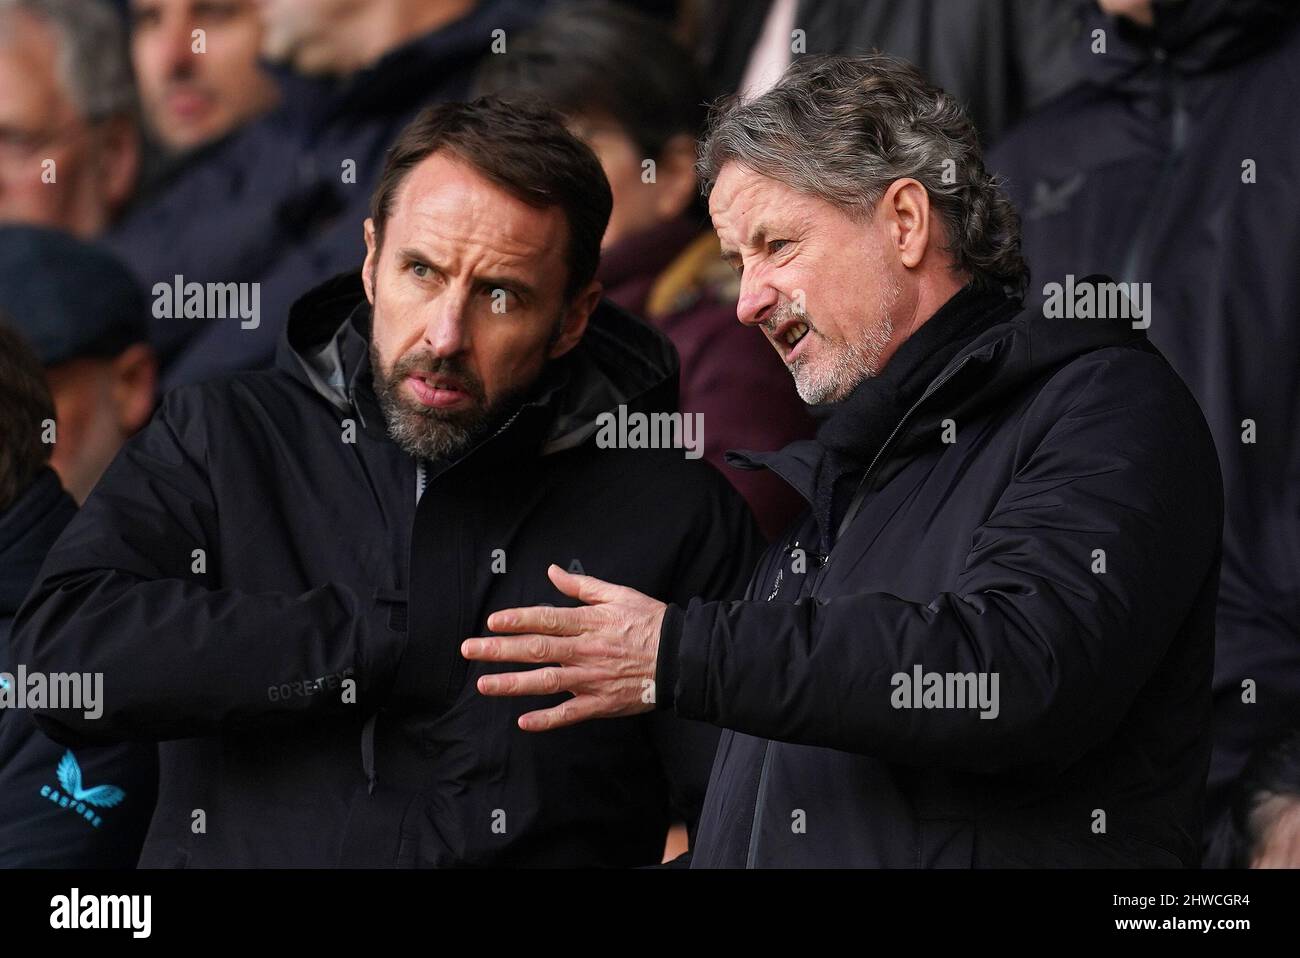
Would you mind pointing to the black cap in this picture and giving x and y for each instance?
(69, 298)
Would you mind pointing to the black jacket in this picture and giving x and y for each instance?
(46, 819)
(281, 202)
(242, 669)
(1073, 444)
(1142, 173)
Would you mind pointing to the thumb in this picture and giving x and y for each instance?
(584, 588)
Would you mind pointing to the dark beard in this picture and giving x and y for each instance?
(428, 433)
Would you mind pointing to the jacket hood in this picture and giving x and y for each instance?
(27, 530)
(621, 360)
(1193, 36)
(1017, 350)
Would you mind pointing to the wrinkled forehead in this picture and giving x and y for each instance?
(741, 198)
(447, 201)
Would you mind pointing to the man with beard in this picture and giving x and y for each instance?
(989, 640)
(275, 576)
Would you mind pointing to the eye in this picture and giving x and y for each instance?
(775, 246)
(508, 297)
(420, 270)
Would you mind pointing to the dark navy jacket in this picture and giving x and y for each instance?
(46, 819)
(282, 202)
(1048, 510)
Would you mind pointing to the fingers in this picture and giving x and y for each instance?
(547, 681)
(545, 619)
(584, 588)
(523, 648)
(569, 712)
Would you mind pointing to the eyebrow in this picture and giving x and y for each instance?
(517, 286)
(756, 235)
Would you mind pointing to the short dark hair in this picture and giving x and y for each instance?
(25, 404)
(523, 148)
(601, 60)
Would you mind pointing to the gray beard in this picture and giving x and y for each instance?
(427, 433)
(851, 363)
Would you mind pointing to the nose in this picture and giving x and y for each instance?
(179, 46)
(757, 298)
(446, 331)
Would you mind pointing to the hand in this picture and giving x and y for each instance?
(605, 652)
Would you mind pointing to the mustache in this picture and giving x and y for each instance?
(784, 312)
(426, 364)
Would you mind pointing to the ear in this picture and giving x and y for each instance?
(371, 261)
(576, 314)
(135, 378)
(675, 181)
(119, 162)
(905, 216)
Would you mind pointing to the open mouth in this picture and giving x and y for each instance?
(795, 333)
(436, 391)
(788, 336)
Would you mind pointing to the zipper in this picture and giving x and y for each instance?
(1174, 89)
(823, 561)
(752, 854)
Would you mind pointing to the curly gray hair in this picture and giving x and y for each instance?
(844, 127)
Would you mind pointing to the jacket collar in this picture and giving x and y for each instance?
(1015, 349)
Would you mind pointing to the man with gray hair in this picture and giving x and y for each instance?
(989, 640)
(69, 136)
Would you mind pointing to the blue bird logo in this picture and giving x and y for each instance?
(101, 796)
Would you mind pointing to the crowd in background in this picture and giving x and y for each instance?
(150, 144)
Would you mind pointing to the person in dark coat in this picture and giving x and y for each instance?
(989, 641)
(1002, 58)
(1174, 167)
(275, 576)
(281, 202)
(59, 807)
(629, 90)
(88, 321)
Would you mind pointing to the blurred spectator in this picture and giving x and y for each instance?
(1001, 58)
(1175, 166)
(69, 140)
(1262, 827)
(86, 318)
(631, 93)
(37, 831)
(281, 203)
(196, 89)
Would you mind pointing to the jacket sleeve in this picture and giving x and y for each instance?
(1129, 470)
(714, 563)
(124, 593)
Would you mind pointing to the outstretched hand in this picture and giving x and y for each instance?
(604, 652)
